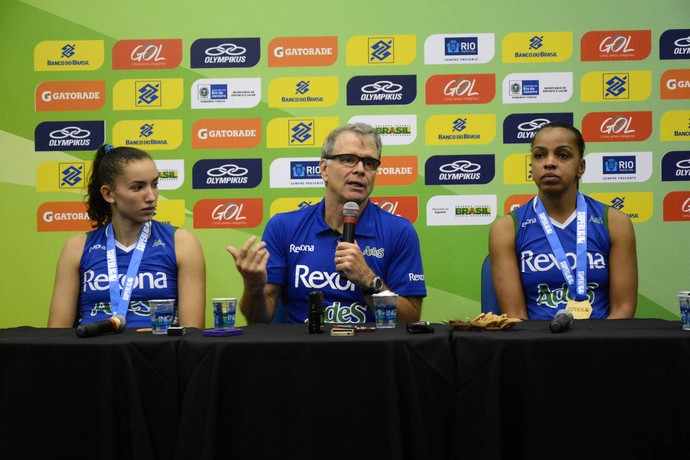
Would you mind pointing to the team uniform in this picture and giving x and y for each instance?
(302, 248)
(157, 277)
(546, 291)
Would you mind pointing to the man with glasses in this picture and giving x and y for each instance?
(302, 250)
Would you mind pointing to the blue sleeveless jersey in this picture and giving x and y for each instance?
(157, 278)
(546, 291)
(302, 253)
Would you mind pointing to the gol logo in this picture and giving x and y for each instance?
(515, 201)
(404, 206)
(620, 45)
(63, 217)
(397, 170)
(617, 126)
(147, 54)
(228, 213)
(461, 89)
(70, 95)
(677, 207)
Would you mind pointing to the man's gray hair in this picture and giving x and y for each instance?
(366, 132)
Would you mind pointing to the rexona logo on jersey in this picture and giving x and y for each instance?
(617, 126)
(229, 213)
(292, 204)
(520, 128)
(296, 172)
(226, 93)
(675, 84)
(70, 95)
(633, 85)
(147, 54)
(299, 132)
(675, 125)
(616, 45)
(303, 92)
(392, 129)
(381, 50)
(403, 206)
(382, 90)
(532, 88)
(226, 133)
(69, 135)
(63, 216)
(445, 210)
(227, 173)
(618, 167)
(66, 55)
(58, 176)
(639, 206)
(675, 166)
(153, 94)
(677, 207)
(515, 201)
(537, 47)
(459, 169)
(170, 174)
(302, 51)
(459, 49)
(458, 129)
(675, 44)
(225, 52)
(517, 169)
(148, 134)
(461, 89)
(397, 170)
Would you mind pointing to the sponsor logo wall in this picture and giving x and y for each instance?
(235, 122)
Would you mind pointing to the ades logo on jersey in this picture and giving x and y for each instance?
(520, 128)
(225, 52)
(69, 135)
(227, 173)
(382, 90)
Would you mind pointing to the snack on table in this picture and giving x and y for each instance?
(485, 322)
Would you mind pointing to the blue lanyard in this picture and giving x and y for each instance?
(119, 302)
(579, 280)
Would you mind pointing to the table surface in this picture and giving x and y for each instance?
(613, 388)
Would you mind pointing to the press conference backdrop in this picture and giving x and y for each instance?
(234, 99)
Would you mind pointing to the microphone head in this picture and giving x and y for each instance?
(120, 323)
(351, 209)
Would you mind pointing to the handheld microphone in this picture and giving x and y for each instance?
(350, 215)
(115, 324)
(562, 321)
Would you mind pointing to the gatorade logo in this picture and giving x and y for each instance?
(63, 217)
(226, 133)
(515, 201)
(675, 84)
(302, 51)
(70, 95)
(397, 170)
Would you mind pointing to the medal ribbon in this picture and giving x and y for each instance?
(119, 302)
(577, 283)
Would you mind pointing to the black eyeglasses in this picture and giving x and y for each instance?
(350, 161)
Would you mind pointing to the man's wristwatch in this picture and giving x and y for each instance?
(375, 286)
